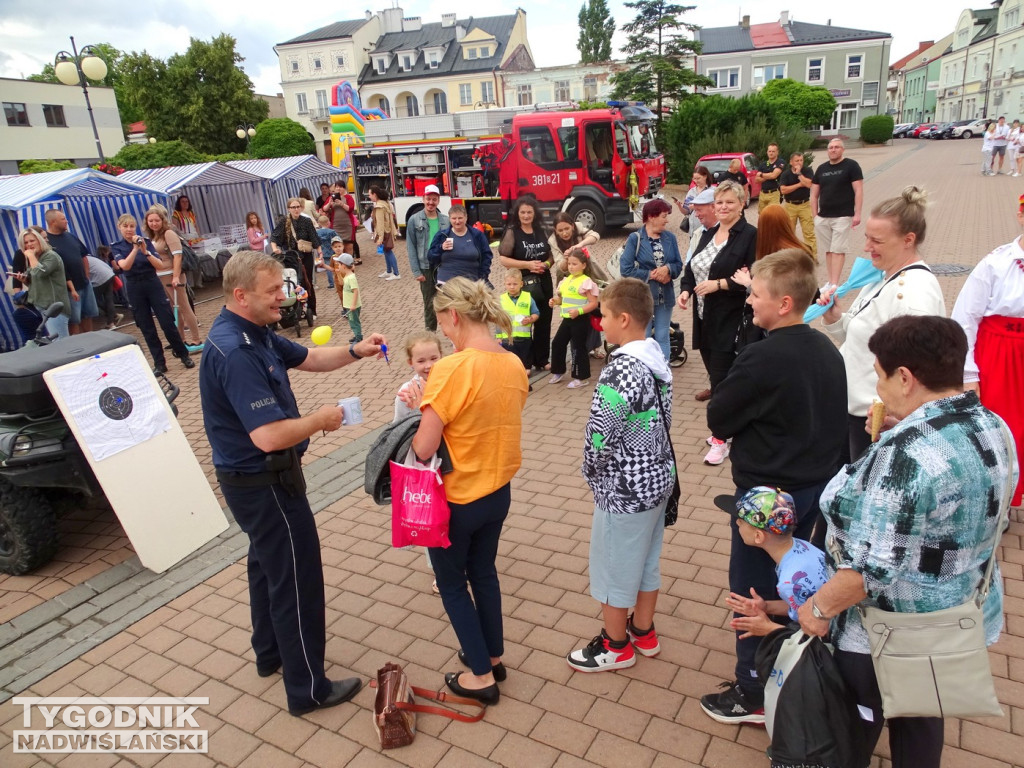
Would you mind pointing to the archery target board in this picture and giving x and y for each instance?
(142, 460)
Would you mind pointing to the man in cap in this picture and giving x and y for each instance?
(419, 232)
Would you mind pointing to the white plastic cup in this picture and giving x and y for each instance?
(450, 241)
(351, 411)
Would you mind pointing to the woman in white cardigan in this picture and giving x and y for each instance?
(893, 234)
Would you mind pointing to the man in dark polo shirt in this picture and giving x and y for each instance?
(795, 186)
(768, 174)
(73, 253)
(258, 437)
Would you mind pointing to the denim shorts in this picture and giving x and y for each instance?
(624, 555)
(85, 306)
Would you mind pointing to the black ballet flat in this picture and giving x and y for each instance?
(488, 695)
(498, 670)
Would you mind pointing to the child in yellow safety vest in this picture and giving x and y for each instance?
(577, 296)
(521, 307)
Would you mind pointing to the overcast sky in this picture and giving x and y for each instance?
(30, 33)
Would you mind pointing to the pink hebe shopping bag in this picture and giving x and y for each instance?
(419, 506)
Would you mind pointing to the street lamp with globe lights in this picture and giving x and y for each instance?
(76, 68)
(246, 131)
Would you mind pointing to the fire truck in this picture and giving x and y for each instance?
(599, 165)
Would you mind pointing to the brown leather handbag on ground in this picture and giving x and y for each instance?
(394, 709)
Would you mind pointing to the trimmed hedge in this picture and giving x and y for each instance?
(876, 129)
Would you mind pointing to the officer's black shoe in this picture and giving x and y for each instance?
(187, 361)
(160, 368)
(267, 670)
(341, 691)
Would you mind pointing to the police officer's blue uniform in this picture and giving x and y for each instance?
(243, 384)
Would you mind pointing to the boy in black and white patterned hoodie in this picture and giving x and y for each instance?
(627, 461)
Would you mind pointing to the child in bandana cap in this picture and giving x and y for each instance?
(765, 518)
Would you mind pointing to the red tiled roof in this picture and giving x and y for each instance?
(768, 35)
(921, 48)
(139, 127)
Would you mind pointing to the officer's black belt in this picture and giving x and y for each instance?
(240, 480)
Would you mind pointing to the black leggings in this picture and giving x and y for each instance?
(541, 292)
(573, 330)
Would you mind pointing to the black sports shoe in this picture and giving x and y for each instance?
(187, 361)
(731, 706)
(160, 368)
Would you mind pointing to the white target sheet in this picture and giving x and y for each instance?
(114, 403)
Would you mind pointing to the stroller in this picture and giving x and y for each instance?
(296, 290)
(676, 346)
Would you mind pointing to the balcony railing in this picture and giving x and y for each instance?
(320, 114)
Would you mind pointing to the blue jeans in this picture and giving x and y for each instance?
(474, 531)
(390, 262)
(58, 325)
(660, 321)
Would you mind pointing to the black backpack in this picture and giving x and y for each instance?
(189, 259)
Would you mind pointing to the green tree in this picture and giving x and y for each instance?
(134, 157)
(657, 55)
(808, 105)
(200, 96)
(714, 124)
(596, 29)
(281, 137)
(114, 60)
(42, 166)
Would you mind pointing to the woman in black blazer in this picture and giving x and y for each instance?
(718, 308)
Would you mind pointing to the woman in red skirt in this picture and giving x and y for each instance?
(991, 310)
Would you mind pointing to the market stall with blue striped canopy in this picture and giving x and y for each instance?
(287, 175)
(91, 200)
(219, 194)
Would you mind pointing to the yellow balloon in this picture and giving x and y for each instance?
(321, 334)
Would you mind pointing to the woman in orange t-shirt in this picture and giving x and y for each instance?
(474, 399)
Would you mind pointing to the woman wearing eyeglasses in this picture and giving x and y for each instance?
(296, 232)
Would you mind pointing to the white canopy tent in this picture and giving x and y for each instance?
(287, 175)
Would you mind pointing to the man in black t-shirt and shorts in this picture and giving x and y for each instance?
(795, 186)
(837, 194)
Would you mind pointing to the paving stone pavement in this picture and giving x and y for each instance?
(96, 623)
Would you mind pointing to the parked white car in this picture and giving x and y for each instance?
(976, 128)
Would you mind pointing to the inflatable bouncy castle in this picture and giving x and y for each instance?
(347, 120)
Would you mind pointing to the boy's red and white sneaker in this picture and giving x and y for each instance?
(645, 645)
(599, 656)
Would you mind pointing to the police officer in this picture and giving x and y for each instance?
(258, 437)
(768, 174)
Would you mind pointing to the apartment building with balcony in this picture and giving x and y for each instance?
(453, 65)
(571, 82)
(919, 76)
(313, 63)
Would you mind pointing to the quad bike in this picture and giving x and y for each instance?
(41, 463)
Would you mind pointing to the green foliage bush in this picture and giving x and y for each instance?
(42, 166)
(281, 137)
(228, 156)
(876, 129)
(713, 124)
(134, 157)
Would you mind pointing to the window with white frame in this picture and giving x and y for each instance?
(768, 72)
(300, 102)
(317, 64)
(487, 92)
(485, 52)
(381, 65)
(295, 65)
(440, 103)
(321, 100)
(590, 88)
(406, 62)
(432, 60)
(384, 106)
(725, 79)
(465, 94)
(869, 94)
(962, 37)
(1011, 18)
(412, 106)
(816, 70)
(471, 53)
(339, 61)
(524, 95)
(854, 66)
(561, 90)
